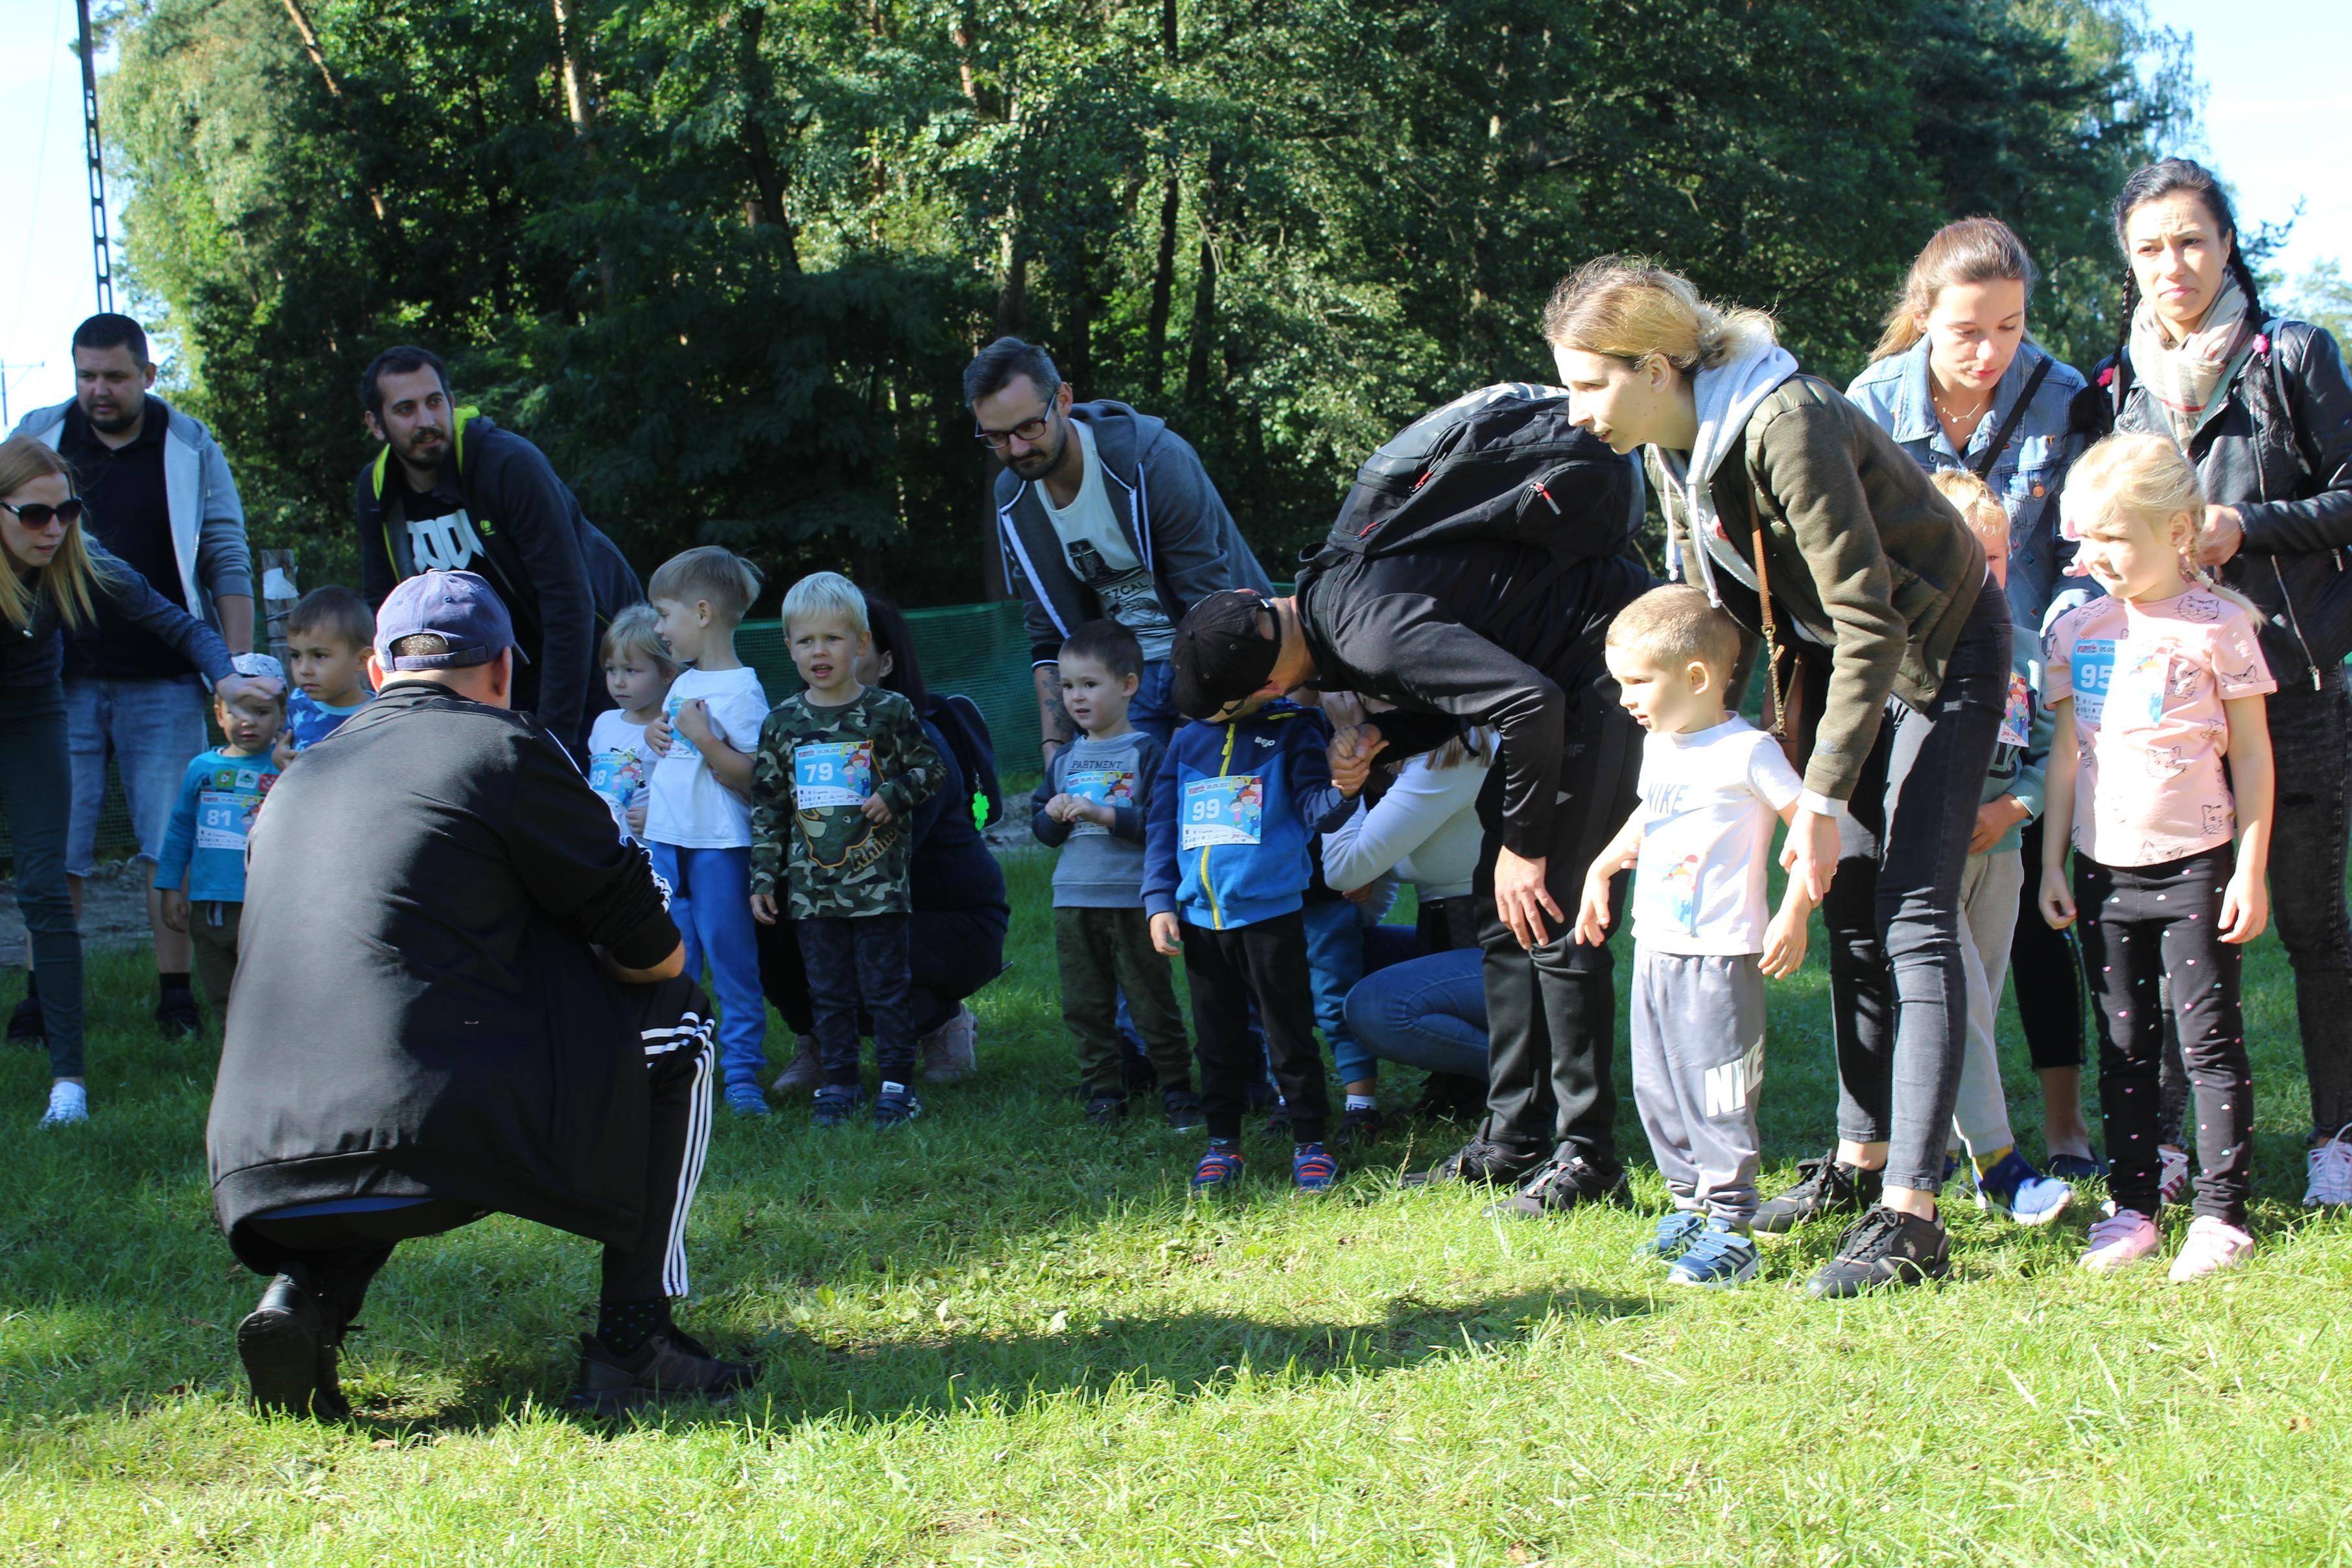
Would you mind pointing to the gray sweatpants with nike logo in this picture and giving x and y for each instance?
(1699, 1061)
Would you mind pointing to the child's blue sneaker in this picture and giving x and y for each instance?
(896, 1104)
(745, 1100)
(1722, 1255)
(834, 1104)
(1312, 1169)
(1676, 1232)
(2015, 1188)
(1221, 1167)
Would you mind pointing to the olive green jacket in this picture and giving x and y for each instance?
(1868, 563)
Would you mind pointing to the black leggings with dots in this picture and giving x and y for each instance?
(2140, 925)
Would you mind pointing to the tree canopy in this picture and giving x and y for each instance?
(725, 259)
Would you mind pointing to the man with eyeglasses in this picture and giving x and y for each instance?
(1102, 512)
(160, 498)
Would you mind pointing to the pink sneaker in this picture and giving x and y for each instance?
(2171, 1176)
(2121, 1239)
(2212, 1246)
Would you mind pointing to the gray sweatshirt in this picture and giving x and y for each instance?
(1100, 868)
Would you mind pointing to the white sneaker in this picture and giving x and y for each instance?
(68, 1104)
(805, 1071)
(2330, 1185)
(2171, 1176)
(950, 1053)
(2212, 1246)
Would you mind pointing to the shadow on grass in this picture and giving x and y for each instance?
(1185, 1356)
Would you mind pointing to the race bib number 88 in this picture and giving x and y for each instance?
(1224, 811)
(840, 773)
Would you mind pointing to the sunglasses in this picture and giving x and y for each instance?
(39, 513)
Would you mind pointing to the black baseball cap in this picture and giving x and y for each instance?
(460, 608)
(1221, 653)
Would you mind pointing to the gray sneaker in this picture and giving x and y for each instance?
(950, 1053)
(805, 1071)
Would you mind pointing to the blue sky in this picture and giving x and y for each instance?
(2279, 97)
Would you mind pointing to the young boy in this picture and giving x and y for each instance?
(1225, 870)
(698, 815)
(2007, 1182)
(328, 635)
(841, 767)
(1702, 837)
(201, 872)
(1092, 806)
(638, 673)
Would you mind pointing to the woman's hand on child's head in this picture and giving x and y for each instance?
(763, 908)
(657, 735)
(2057, 900)
(1167, 939)
(876, 809)
(2245, 907)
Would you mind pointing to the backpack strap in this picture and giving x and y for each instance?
(1982, 466)
(2303, 461)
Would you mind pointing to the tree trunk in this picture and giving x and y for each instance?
(767, 206)
(1013, 284)
(1163, 285)
(310, 46)
(579, 109)
(1204, 289)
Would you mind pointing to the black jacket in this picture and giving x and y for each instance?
(35, 655)
(1503, 631)
(416, 1011)
(2288, 470)
(563, 580)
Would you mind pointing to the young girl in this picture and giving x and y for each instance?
(2153, 689)
(638, 671)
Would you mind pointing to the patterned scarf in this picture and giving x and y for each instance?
(2187, 377)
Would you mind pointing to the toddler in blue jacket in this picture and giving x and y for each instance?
(1225, 871)
(201, 872)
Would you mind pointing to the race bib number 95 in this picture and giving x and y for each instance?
(840, 773)
(2092, 677)
(1225, 811)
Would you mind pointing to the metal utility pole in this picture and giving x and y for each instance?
(101, 245)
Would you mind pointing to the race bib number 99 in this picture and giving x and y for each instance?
(1226, 810)
(840, 773)
(2093, 677)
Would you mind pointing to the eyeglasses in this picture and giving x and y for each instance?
(1029, 431)
(38, 515)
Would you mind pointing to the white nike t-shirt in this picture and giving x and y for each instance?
(688, 806)
(1708, 802)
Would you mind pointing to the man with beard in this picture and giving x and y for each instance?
(1102, 512)
(160, 498)
(452, 492)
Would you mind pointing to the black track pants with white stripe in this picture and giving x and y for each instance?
(342, 1252)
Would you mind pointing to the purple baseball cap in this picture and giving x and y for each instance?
(458, 607)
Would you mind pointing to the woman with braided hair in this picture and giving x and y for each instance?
(2263, 409)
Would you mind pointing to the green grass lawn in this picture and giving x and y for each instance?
(999, 1335)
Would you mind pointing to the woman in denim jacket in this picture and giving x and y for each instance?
(1949, 373)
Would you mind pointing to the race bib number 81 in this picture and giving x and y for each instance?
(1225, 811)
(840, 773)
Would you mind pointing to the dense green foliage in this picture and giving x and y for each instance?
(725, 258)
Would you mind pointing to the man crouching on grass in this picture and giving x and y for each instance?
(458, 994)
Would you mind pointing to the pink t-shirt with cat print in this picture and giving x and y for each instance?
(2147, 682)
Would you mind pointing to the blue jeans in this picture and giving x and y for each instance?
(152, 730)
(711, 903)
(1427, 1013)
(1153, 708)
(853, 961)
(1335, 963)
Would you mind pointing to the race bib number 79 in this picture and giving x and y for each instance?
(1229, 810)
(840, 773)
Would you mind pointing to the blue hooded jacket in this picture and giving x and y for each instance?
(1232, 814)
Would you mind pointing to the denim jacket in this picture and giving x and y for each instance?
(2025, 477)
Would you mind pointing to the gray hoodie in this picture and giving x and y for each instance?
(1173, 516)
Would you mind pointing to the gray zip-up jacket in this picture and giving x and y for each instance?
(208, 519)
(1174, 518)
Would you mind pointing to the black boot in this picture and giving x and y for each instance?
(283, 1343)
(670, 1365)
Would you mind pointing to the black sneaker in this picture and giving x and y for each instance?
(671, 1364)
(176, 1014)
(289, 1353)
(1562, 1185)
(1481, 1160)
(1105, 1110)
(1183, 1108)
(1824, 1187)
(1450, 1096)
(895, 1107)
(1359, 1125)
(835, 1103)
(1885, 1246)
(24, 1025)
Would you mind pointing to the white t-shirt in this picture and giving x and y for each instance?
(1708, 801)
(691, 808)
(1101, 557)
(619, 765)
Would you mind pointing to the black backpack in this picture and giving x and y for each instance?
(958, 719)
(1502, 463)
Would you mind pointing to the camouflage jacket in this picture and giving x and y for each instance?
(815, 766)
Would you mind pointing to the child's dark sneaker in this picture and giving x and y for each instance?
(1106, 1109)
(1312, 1168)
(1359, 1125)
(1677, 1230)
(1562, 1185)
(894, 1104)
(2077, 1167)
(1885, 1246)
(176, 1014)
(1721, 1256)
(1183, 1108)
(1221, 1167)
(745, 1100)
(1480, 1160)
(671, 1364)
(835, 1102)
(1823, 1187)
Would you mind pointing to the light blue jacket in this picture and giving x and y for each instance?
(2025, 478)
(208, 519)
